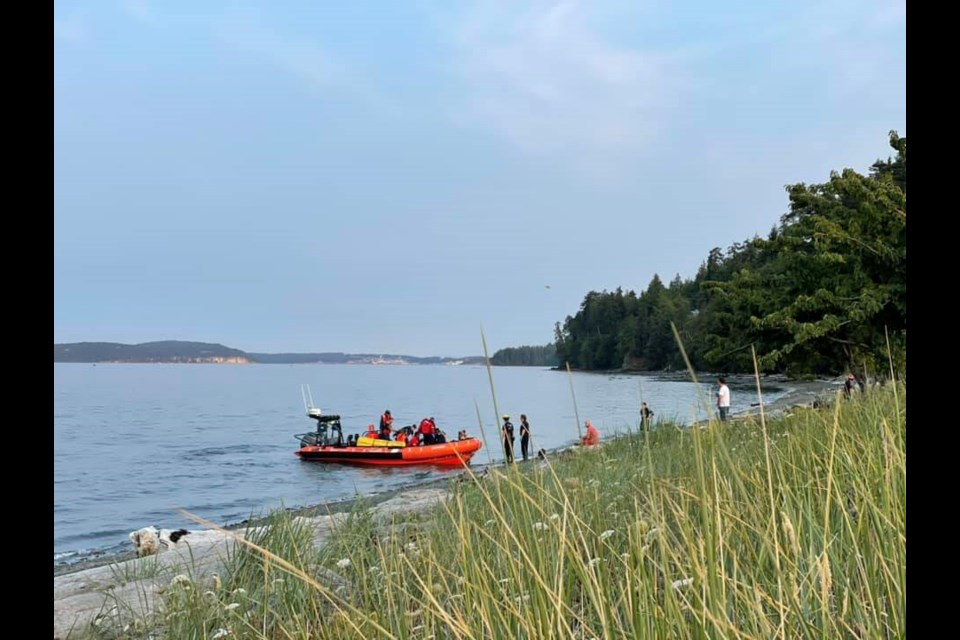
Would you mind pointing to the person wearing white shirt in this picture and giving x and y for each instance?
(723, 398)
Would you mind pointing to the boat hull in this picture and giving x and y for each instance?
(449, 454)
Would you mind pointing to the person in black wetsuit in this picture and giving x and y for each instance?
(508, 438)
(524, 436)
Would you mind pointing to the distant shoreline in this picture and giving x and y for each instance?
(181, 352)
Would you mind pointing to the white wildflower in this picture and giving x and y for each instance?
(686, 582)
(539, 526)
(221, 633)
(239, 591)
(625, 556)
(523, 598)
(343, 563)
(374, 569)
(606, 534)
(554, 516)
(411, 546)
(180, 579)
(594, 562)
(231, 606)
(504, 580)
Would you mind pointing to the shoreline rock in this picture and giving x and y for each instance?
(81, 597)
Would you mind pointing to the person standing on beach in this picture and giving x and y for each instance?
(508, 438)
(645, 416)
(723, 398)
(850, 385)
(524, 436)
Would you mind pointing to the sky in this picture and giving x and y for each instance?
(374, 177)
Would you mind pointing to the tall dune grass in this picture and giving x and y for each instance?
(792, 529)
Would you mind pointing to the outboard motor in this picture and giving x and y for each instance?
(308, 439)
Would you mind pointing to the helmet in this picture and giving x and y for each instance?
(506, 417)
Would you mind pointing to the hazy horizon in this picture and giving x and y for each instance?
(378, 178)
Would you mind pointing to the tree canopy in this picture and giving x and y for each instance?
(822, 293)
(536, 356)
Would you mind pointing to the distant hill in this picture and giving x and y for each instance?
(165, 351)
(204, 352)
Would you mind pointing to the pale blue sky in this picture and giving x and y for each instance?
(388, 177)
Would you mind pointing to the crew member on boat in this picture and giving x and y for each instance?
(386, 425)
(413, 438)
(428, 430)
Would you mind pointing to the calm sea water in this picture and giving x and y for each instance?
(135, 442)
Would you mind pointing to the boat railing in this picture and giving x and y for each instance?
(311, 409)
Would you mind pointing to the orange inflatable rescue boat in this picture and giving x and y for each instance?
(327, 444)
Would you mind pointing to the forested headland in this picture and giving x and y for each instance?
(823, 292)
(527, 356)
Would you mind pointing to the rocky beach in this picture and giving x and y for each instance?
(88, 591)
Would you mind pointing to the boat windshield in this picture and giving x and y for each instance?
(329, 431)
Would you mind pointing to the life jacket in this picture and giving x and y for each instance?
(402, 436)
(413, 441)
(426, 427)
(386, 421)
(371, 432)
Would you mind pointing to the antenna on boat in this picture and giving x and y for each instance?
(308, 405)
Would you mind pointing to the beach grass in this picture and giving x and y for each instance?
(788, 528)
